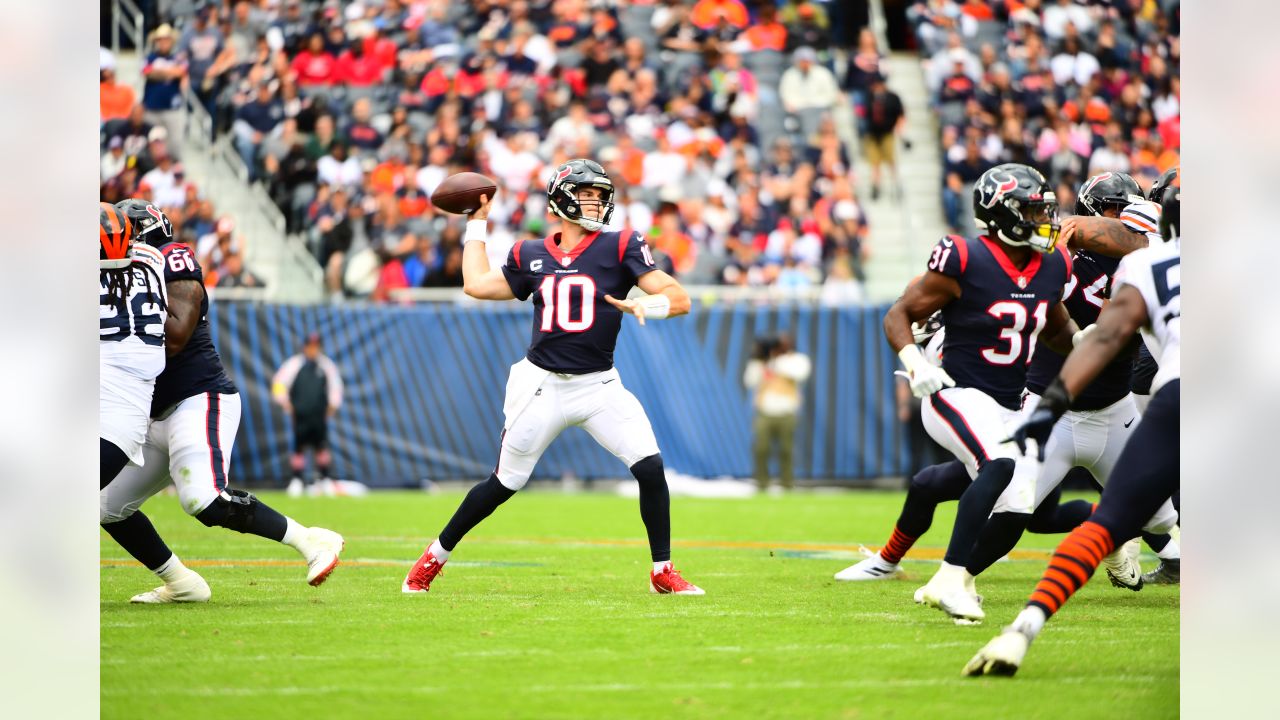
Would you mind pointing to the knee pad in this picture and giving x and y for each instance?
(649, 470)
(945, 481)
(232, 509)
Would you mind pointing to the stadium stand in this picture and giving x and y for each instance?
(349, 113)
(1073, 89)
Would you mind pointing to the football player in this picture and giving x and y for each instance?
(1090, 436)
(132, 312)
(1000, 294)
(194, 416)
(1146, 298)
(578, 278)
(1094, 431)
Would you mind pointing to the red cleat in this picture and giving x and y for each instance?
(669, 582)
(423, 572)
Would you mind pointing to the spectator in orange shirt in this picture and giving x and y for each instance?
(115, 100)
(767, 33)
(670, 240)
(707, 13)
(388, 176)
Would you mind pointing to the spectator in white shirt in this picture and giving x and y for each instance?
(114, 159)
(1073, 64)
(435, 171)
(1112, 156)
(664, 166)
(1057, 17)
(166, 188)
(569, 131)
(808, 86)
(337, 169)
(775, 372)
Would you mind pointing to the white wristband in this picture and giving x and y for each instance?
(911, 358)
(476, 230)
(656, 307)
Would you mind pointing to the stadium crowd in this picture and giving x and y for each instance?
(714, 118)
(1072, 88)
(139, 159)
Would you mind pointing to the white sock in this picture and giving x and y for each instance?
(294, 533)
(1030, 621)
(954, 574)
(1170, 551)
(438, 551)
(172, 569)
(661, 567)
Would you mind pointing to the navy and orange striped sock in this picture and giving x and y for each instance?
(898, 545)
(1072, 565)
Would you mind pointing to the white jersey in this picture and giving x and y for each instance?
(1156, 272)
(131, 333)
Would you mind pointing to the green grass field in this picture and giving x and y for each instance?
(544, 612)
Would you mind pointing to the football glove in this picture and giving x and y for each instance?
(925, 377)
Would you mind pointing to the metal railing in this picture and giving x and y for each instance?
(127, 16)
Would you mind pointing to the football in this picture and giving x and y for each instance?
(460, 194)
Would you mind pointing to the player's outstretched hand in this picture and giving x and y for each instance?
(482, 212)
(1066, 231)
(627, 306)
(1038, 427)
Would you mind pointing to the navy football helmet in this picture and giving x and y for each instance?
(562, 193)
(1107, 191)
(1015, 204)
(150, 225)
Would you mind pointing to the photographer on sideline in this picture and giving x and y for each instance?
(775, 372)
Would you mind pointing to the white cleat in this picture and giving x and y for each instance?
(1002, 656)
(321, 550)
(296, 488)
(191, 588)
(873, 567)
(964, 606)
(1122, 566)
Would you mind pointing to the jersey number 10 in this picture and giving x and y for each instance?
(557, 303)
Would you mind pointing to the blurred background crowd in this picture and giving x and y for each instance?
(735, 131)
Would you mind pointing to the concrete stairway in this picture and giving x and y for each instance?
(905, 225)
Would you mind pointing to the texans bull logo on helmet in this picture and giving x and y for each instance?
(994, 186)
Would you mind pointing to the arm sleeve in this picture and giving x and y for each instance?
(793, 366)
(518, 277)
(754, 373)
(949, 256)
(333, 381)
(636, 256)
(283, 379)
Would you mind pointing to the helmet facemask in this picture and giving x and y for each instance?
(1037, 226)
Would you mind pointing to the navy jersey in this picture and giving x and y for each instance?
(993, 326)
(1145, 368)
(1089, 286)
(574, 328)
(197, 368)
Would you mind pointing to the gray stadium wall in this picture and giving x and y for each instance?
(424, 390)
